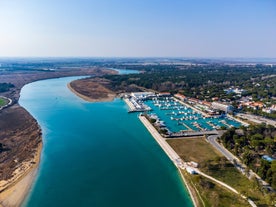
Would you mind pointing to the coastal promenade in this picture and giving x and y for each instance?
(163, 144)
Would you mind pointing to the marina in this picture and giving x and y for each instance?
(178, 118)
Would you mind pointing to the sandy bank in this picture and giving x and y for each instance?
(14, 190)
(110, 97)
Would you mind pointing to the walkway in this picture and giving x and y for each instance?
(193, 133)
(256, 119)
(8, 104)
(162, 142)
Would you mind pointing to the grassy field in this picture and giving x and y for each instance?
(3, 102)
(213, 163)
(211, 194)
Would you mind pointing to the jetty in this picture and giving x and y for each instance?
(135, 106)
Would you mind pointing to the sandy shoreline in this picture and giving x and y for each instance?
(86, 98)
(15, 190)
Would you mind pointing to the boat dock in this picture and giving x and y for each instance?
(185, 125)
(189, 106)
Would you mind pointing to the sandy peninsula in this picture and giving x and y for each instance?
(92, 90)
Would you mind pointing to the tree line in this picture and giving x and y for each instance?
(250, 144)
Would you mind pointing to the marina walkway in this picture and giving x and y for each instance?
(193, 133)
(162, 142)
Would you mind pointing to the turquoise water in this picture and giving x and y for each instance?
(96, 154)
(178, 117)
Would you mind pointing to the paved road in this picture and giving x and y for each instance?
(237, 163)
(8, 104)
(256, 119)
(212, 139)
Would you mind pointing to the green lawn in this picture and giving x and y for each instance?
(3, 102)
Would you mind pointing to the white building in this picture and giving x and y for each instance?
(222, 106)
(142, 95)
(190, 170)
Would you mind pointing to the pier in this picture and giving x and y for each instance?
(189, 106)
(134, 106)
(185, 125)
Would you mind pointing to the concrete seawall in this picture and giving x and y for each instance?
(170, 152)
(161, 141)
(130, 105)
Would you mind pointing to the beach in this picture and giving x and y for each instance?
(14, 190)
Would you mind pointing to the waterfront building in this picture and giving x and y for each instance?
(222, 107)
(193, 100)
(142, 95)
(190, 170)
(180, 97)
(164, 94)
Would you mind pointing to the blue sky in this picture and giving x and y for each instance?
(138, 28)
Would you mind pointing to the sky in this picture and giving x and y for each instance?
(138, 28)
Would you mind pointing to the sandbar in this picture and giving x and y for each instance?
(110, 96)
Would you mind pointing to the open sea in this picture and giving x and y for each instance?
(96, 154)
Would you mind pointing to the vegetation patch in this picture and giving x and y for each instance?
(212, 195)
(3, 102)
(256, 146)
(212, 163)
(5, 87)
(194, 149)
